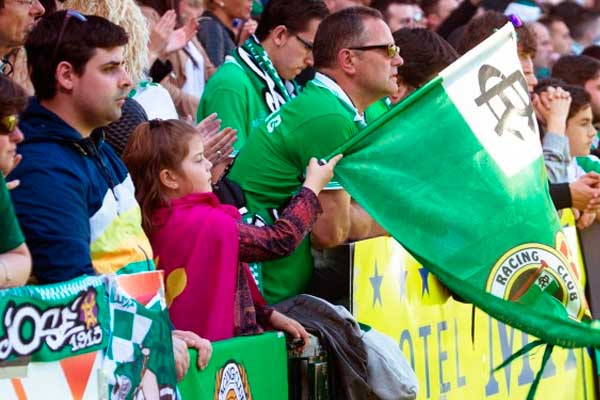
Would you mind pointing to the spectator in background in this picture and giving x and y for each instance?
(401, 13)
(224, 25)
(436, 11)
(544, 55)
(568, 137)
(190, 9)
(191, 66)
(582, 71)
(259, 78)
(15, 260)
(583, 24)
(559, 35)
(17, 19)
(337, 5)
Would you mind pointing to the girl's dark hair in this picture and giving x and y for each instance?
(13, 98)
(152, 147)
(293, 14)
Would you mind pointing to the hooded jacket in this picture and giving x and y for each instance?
(76, 202)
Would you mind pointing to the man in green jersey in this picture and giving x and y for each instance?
(357, 61)
(258, 77)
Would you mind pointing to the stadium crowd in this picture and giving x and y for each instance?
(191, 134)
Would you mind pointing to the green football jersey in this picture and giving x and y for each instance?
(271, 167)
(233, 95)
(377, 109)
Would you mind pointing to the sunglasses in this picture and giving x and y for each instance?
(68, 15)
(391, 49)
(8, 124)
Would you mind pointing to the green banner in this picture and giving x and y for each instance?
(251, 367)
(52, 322)
(455, 173)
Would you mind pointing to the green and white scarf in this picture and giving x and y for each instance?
(254, 59)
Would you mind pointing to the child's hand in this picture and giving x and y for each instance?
(552, 107)
(317, 175)
(290, 326)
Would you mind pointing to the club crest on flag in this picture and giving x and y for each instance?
(531, 271)
(510, 110)
(232, 383)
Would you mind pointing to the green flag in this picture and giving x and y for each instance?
(455, 173)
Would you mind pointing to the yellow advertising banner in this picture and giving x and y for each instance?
(453, 347)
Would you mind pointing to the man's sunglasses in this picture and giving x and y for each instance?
(68, 15)
(391, 49)
(8, 124)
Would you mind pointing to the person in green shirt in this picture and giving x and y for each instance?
(258, 77)
(15, 260)
(357, 61)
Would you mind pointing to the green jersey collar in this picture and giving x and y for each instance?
(326, 82)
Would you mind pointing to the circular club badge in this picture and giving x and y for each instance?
(232, 383)
(532, 270)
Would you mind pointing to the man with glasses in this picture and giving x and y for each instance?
(356, 61)
(76, 202)
(258, 78)
(17, 19)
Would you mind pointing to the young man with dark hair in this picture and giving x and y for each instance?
(583, 71)
(17, 18)
(544, 55)
(583, 24)
(437, 11)
(258, 78)
(76, 202)
(561, 39)
(357, 61)
(401, 13)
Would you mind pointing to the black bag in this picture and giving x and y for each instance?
(230, 193)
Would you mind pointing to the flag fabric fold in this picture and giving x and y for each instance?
(455, 173)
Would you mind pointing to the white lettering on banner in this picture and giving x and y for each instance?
(75, 324)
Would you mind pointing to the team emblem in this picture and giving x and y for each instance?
(232, 383)
(526, 273)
